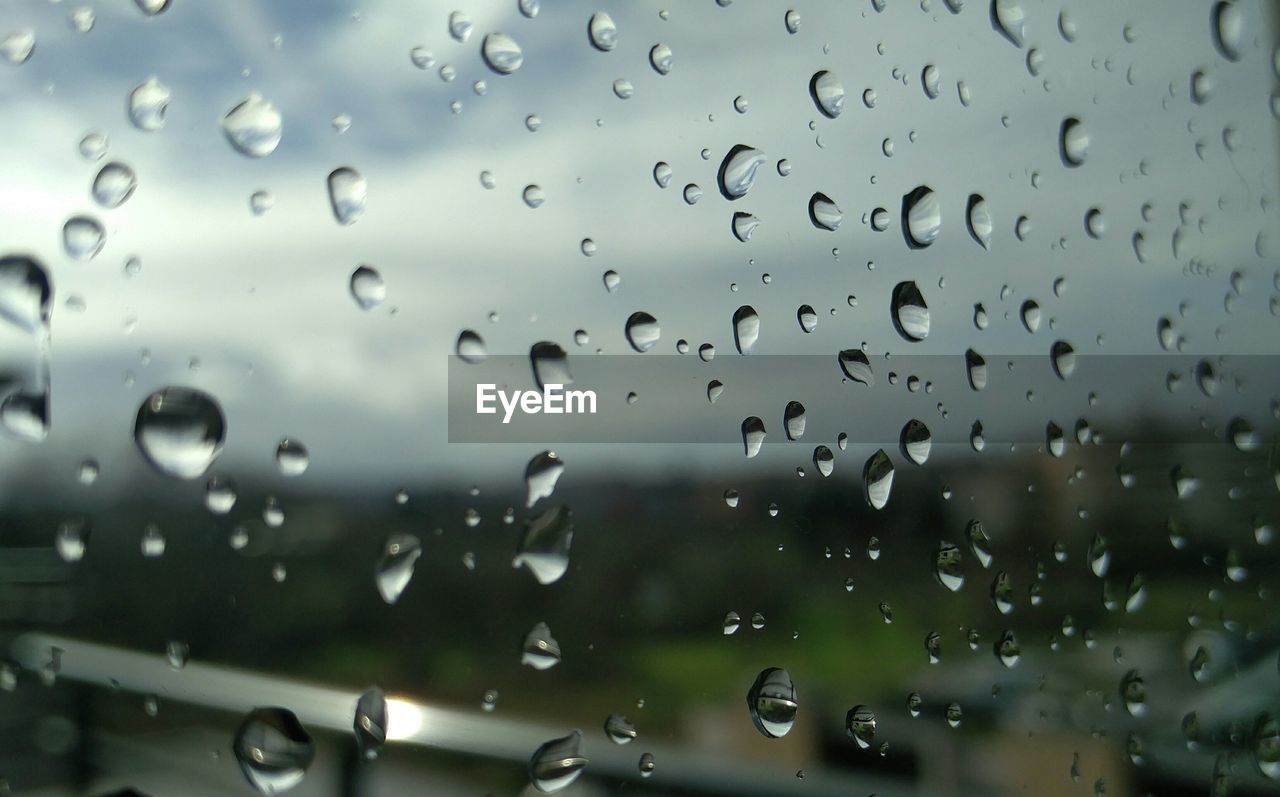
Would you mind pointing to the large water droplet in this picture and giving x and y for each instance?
(976, 368)
(292, 458)
(83, 237)
(1099, 556)
(921, 217)
(147, 104)
(738, 171)
(827, 92)
(348, 194)
(746, 328)
(152, 7)
(910, 313)
(793, 417)
(619, 729)
(772, 701)
(1229, 29)
(544, 549)
(395, 568)
(254, 127)
(540, 650)
(273, 749)
(978, 216)
(877, 479)
(25, 293)
(17, 47)
(856, 366)
(979, 542)
(370, 724)
(180, 431)
(602, 32)
(501, 53)
(1007, 649)
(1073, 142)
(824, 213)
(1133, 692)
(557, 763)
(1266, 745)
(642, 331)
(459, 26)
(1002, 592)
(541, 475)
(660, 59)
(1008, 19)
(71, 540)
(1063, 357)
(114, 184)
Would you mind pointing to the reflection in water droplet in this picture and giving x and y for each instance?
(642, 331)
(459, 26)
(501, 53)
(533, 196)
(602, 32)
(544, 548)
(71, 540)
(180, 431)
(1007, 18)
(1099, 556)
(877, 479)
(292, 458)
(220, 494)
(1007, 649)
(1073, 142)
(732, 621)
(827, 92)
(25, 293)
(746, 328)
(541, 475)
(860, 724)
(1266, 745)
(1133, 692)
(738, 171)
(909, 312)
(16, 47)
(1229, 29)
(83, 237)
(692, 193)
(395, 567)
(773, 703)
(619, 729)
(348, 194)
(147, 104)
(856, 366)
(793, 417)
(470, 347)
(254, 127)
(557, 763)
(930, 80)
(1002, 592)
(273, 749)
(915, 442)
(1063, 357)
(662, 174)
(979, 220)
(807, 317)
(540, 650)
(921, 217)
(824, 213)
(947, 566)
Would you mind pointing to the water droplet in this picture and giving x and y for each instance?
(602, 32)
(979, 220)
(1266, 745)
(152, 7)
(773, 704)
(25, 293)
(910, 313)
(533, 196)
(947, 566)
(792, 21)
(292, 458)
(1008, 651)
(459, 26)
(860, 724)
(544, 549)
(930, 79)
(746, 328)
(692, 193)
(793, 417)
(732, 621)
(954, 714)
(348, 194)
(273, 749)
(557, 763)
(619, 729)
(738, 171)
(979, 542)
(807, 317)
(1229, 29)
(877, 479)
(660, 59)
(83, 237)
(642, 331)
(370, 723)
(147, 104)
(550, 364)
(1099, 556)
(856, 366)
(16, 47)
(1134, 693)
(180, 431)
(260, 202)
(827, 92)
(541, 475)
(1073, 142)
(921, 217)
(540, 650)
(1063, 357)
(254, 127)
(915, 442)
(647, 765)
(501, 53)
(623, 89)
(71, 540)
(395, 568)
(824, 213)
(114, 184)
(753, 434)
(470, 347)
(662, 174)
(1007, 19)
(1002, 592)
(153, 542)
(367, 287)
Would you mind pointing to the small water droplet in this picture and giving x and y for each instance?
(602, 32)
(348, 194)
